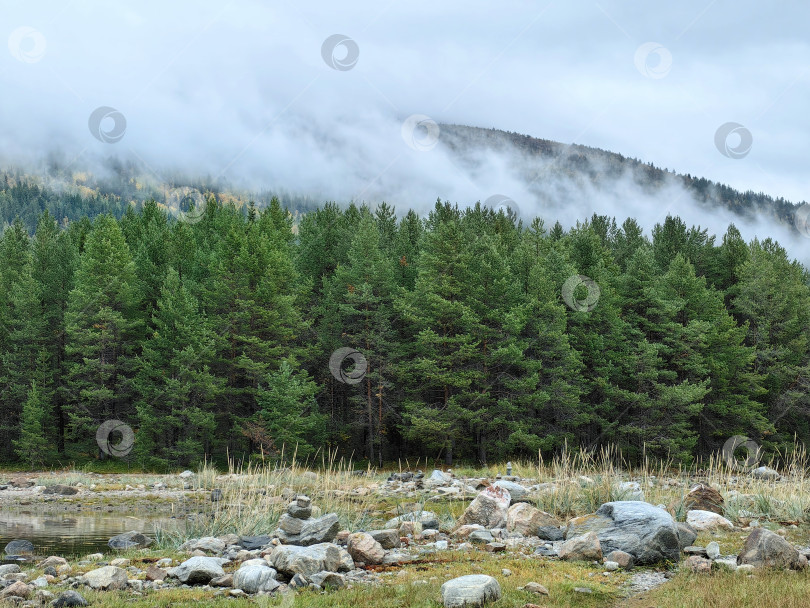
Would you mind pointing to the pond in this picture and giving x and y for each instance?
(72, 534)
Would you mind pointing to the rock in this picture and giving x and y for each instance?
(764, 549)
(22, 482)
(9, 569)
(630, 490)
(410, 528)
(346, 561)
(480, 537)
(388, 539)
(765, 473)
(199, 570)
(471, 591)
(726, 563)
(440, 476)
(527, 520)
(252, 543)
(108, 577)
(363, 548)
(686, 534)
(488, 509)
(306, 561)
(328, 580)
(16, 589)
(60, 490)
(537, 588)
(713, 550)
(313, 531)
(706, 520)
(646, 532)
(745, 569)
(52, 560)
(209, 544)
(426, 518)
(297, 511)
(623, 559)
(129, 540)
(68, 599)
(550, 533)
(704, 498)
(495, 547)
(222, 581)
(153, 573)
(186, 474)
(581, 548)
(697, 564)
(20, 547)
(516, 491)
(256, 578)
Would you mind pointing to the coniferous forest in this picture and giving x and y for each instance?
(216, 338)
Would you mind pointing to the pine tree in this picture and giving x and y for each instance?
(176, 391)
(288, 413)
(32, 445)
(100, 321)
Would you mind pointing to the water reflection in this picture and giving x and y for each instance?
(71, 534)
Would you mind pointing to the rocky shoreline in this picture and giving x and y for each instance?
(310, 551)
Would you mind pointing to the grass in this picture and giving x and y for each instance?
(575, 483)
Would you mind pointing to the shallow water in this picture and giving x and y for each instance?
(71, 534)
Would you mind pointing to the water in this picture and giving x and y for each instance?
(71, 534)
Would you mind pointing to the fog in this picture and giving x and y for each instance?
(249, 94)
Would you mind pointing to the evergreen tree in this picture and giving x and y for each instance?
(100, 321)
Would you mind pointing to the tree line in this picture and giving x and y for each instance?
(217, 338)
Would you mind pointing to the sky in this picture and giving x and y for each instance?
(319, 96)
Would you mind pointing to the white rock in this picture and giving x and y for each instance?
(706, 520)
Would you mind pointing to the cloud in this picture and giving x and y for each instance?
(240, 91)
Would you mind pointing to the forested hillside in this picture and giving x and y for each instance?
(215, 337)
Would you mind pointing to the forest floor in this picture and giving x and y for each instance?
(254, 498)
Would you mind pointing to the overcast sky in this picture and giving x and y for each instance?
(241, 89)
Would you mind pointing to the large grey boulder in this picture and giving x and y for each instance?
(108, 577)
(20, 547)
(306, 561)
(646, 532)
(255, 578)
(254, 542)
(9, 569)
(129, 540)
(429, 520)
(765, 549)
(305, 532)
(330, 580)
(209, 544)
(766, 473)
(516, 491)
(488, 509)
(199, 570)
(471, 591)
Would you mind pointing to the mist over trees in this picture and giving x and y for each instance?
(213, 338)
